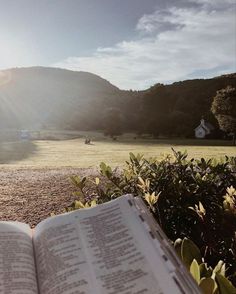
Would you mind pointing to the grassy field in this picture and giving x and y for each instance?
(58, 149)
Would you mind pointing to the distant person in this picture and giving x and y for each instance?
(87, 141)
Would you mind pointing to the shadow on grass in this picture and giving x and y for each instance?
(168, 142)
(15, 151)
(196, 142)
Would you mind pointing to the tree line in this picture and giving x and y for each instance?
(175, 110)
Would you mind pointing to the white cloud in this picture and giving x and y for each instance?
(215, 3)
(173, 44)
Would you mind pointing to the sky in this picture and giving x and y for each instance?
(131, 43)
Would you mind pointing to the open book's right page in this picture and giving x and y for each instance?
(103, 250)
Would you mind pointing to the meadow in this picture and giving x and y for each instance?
(67, 149)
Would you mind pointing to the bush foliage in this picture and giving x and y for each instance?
(210, 280)
(193, 199)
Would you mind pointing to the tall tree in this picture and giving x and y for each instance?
(224, 109)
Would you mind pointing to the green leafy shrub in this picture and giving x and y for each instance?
(193, 199)
(210, 280)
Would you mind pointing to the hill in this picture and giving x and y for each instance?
(37, 96)
(40, 97)
(176, 109)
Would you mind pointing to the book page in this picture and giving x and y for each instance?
(103, 250)
(61, 261)
(123, 255)
(17, 267)
(176, 268)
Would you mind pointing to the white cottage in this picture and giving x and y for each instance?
(203, 129)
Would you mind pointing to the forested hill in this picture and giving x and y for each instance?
(40, 97)
(48, 97)
(176, 109)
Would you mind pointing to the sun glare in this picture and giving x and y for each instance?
(8, 52)
(5, 77)
(13, 52)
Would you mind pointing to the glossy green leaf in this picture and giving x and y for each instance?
(177, 245)
(207, 285)
(220, 268)
(224, 285)
(189, 252)
(195, 271)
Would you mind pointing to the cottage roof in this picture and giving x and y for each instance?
(201, 127)
(205, 126)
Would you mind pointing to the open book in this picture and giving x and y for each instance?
(113, 248)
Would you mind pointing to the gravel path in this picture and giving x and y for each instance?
(31, 195)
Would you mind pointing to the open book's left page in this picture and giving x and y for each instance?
(17, 266)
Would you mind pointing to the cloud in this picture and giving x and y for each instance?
(215, 3)
(157, 22)
(173, 44)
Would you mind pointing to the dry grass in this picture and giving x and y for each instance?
(59, 151)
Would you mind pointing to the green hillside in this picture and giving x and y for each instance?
(176, 109)
(38, 97)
